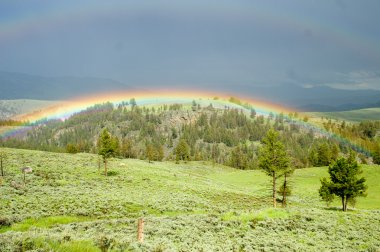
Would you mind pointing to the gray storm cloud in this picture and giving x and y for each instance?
(220, 44)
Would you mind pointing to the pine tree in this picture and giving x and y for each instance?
(160, 153)
(324, 155)
(313, 156)
(108, 147)
(149, 152)
(273, 158)
(126, 149)
(3, 156)
(334, 152)
(325, 193)
(238, 158)
(182, 150)
(376, 153)
(344, 181)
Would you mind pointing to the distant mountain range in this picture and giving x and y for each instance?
(320, 99)
(24, 86)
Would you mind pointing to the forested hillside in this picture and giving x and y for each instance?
(229, 136)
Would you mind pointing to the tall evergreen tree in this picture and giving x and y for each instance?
(376, 153)
(238, 158)
(344, 181)
(107, 147)
(273, 158)
(182, 151)
(334, 152)
(3, 156)
(149, 152)
(324, 155)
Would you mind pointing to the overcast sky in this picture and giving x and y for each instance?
(196, 42)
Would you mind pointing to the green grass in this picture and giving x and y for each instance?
(352, 115)
(67, 204)
(43, 222)
(40, 243)
(306, 183)
(74, 246)
(270, 213)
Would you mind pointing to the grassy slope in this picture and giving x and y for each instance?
(68, 205)
(353, 115)
(305, 183)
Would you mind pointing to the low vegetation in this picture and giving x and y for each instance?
(68, 204)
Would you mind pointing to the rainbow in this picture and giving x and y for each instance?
(65, 109)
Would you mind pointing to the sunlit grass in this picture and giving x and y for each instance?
(269, 213)
(306, 183)
(44, 222)
(74, 246)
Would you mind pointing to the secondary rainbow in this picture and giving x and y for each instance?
(65, 14)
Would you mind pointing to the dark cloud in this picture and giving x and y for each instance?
(196, 43)
(341, 4)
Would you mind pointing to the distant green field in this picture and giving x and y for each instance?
(353, 115)
(68, 205)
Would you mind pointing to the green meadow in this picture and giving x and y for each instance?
(67, 204)
(352, 115)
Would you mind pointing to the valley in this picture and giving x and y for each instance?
(207, 195)
(351, 115)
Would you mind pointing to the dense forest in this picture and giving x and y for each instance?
(228, 136)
